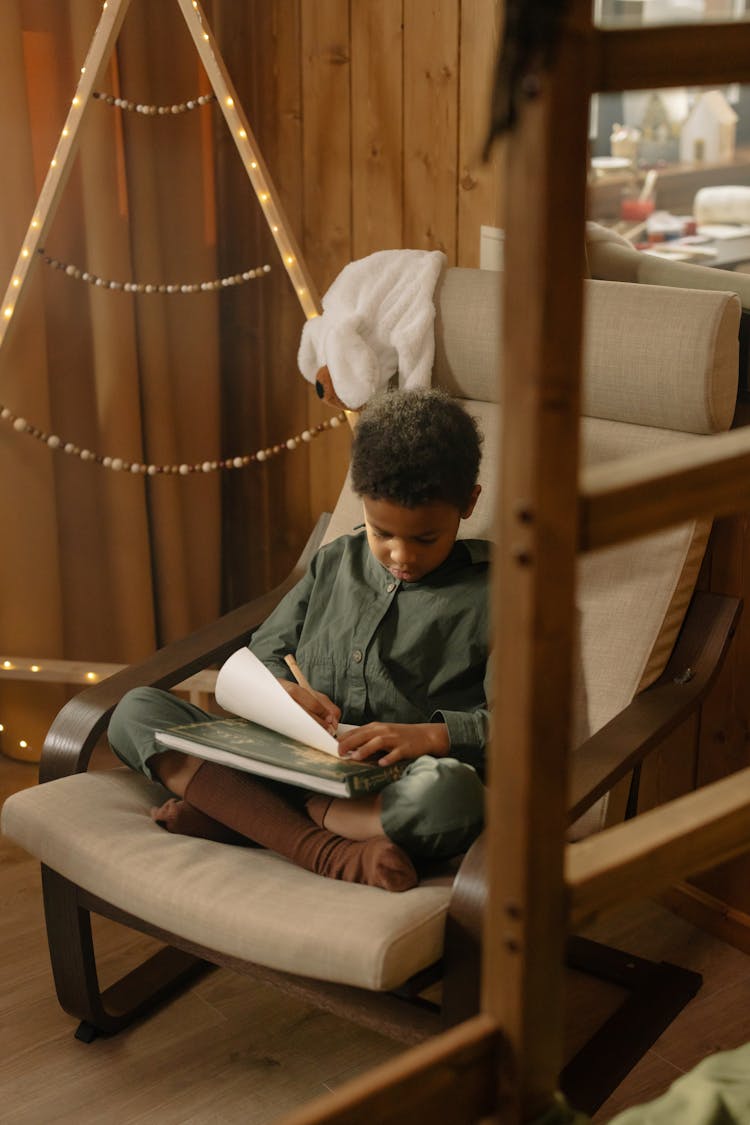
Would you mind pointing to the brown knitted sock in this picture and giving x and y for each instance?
(252, 808)
(181, 818)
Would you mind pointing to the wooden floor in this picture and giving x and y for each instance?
(231, 1050)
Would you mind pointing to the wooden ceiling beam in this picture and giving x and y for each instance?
(639, 58)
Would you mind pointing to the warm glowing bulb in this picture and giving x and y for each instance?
(7, 664)
(35, 223)
(289, 259)
(91, 675)
(8, 312)
(275, 230)
(24, 253)
(253, 163)
(263, 197)
(205, 35)
(16, 282)
(53, 163)
(76, 100)
(241, 133)
(35, 668)
(65, 132)
(83, 70)
(301, 292)
(23, 744)
(2, 728)
(228, 101)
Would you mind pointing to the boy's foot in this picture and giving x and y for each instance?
(261, 813)
(377, 863)
(181, 818)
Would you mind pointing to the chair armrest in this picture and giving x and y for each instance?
(623, 743)
(78, 726)
(596, 766)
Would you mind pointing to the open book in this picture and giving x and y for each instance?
(274, 736)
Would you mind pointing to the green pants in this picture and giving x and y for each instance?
(434, 811)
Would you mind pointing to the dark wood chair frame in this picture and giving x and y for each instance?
(656, 992)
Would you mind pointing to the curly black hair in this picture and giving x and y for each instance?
(416, 447)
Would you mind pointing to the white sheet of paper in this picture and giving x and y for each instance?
(245, 687)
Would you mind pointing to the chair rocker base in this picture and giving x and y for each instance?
(657, 993)
(104, 1012)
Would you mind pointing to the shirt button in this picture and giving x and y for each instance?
(390, 587)
(357, 656)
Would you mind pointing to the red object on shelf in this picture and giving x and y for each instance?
(636, 210)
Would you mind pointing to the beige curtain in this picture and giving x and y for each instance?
(99, 565)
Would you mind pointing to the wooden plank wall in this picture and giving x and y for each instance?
(371, 115)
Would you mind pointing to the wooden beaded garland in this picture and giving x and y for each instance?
(153, 110)
(153, 287)
(118, 465)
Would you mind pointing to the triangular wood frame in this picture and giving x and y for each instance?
(102, 44)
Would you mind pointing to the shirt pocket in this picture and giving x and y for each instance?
(320, 671)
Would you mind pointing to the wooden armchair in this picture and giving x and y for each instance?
(357, 950)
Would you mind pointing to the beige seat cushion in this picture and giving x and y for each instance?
(95, 830)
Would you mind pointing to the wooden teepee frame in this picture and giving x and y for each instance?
(102, 45)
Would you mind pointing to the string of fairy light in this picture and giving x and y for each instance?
(265, 193)
(12, 668)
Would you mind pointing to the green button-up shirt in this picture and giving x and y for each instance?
(406, 652)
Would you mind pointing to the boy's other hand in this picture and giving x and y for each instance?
(315, 703)
(396, 742)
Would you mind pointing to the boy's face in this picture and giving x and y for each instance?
(412, 542)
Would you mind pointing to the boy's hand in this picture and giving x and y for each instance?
(315, 703)
(397, 742)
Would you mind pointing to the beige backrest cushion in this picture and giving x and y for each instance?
(652, 354)
(660, 356)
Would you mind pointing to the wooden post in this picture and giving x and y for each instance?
(534, 572)
(252, 158)
(105, 36)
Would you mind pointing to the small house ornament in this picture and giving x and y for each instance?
(708, 133)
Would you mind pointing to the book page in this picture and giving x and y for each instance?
(245, 687)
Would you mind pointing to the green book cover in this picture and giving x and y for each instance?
(245, 745)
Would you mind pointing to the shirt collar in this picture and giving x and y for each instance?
(478, 551)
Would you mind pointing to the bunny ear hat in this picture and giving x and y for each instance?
(378, 319)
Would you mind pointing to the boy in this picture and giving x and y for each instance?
(390, 626)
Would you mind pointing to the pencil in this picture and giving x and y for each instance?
(331, 725)
(297, 672)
